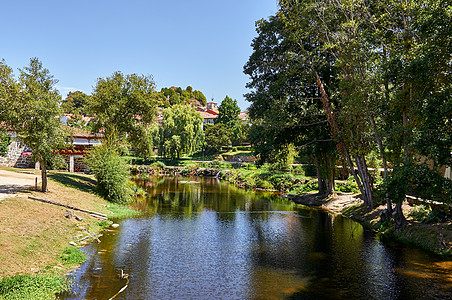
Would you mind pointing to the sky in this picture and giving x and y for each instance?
(201, 43)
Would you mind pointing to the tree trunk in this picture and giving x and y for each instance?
(43, 175)
(399, 219)
(366, 180)
(325, 174)
(364, 188)
(320, 182)
(385, 164)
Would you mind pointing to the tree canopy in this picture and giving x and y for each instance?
(75, 103)
(124, 107)
(176, 95)
(30, 106)
(378, 72)
(181, 131)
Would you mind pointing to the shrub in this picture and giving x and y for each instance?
(264, 184)
(190, 169)
(158, 164)
(298, 169)
(281, 182)
(427, 215)
(307, 187)
(111, 173)
(349, 186)
(5, 140)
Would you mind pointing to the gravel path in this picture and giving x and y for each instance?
(12, 182)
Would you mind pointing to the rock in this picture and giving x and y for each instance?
(73, 243)
(115, 225)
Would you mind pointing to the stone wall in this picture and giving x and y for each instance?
(14, 158)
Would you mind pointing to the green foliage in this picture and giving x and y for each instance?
(75, 103)
(228, 113)
(427, 215)
(349, 186)
(307, 187)
(158, 164)
(190, 169)
(217, 136)
(5, 140)
(282, 182)
(417, 180)
(73, 256)
(121, 211)
(104, 223)
(181, 131)
(282, 157)
(37, 287)
(111, 173)
(136, 191)
(124, 105)
(176, 96)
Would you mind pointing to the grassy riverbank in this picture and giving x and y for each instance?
(34, 237)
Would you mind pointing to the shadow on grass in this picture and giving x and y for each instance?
(79, 182)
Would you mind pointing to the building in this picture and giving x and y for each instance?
(79, 142)
(209, 118)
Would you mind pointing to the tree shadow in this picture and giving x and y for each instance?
(79, 182)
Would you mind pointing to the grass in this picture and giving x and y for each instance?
(120, 211)
(32, 287)
(81, 182)
(72, 256)
(34, 236)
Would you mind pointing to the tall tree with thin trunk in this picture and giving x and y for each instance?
(37, 122)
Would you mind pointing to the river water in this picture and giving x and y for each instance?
(210, 240)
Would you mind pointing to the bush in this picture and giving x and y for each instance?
(282, 182)
(349, 186)
(5, 140)
(264, 184)
(307, 187)
(111, 173)
(298, 169)
(190, 169)
(158, 164)
(426, 215)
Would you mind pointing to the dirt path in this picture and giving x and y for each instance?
(12, 182)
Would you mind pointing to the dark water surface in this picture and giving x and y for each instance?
(210, 240)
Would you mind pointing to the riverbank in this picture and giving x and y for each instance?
(434, 237)
(39, 241)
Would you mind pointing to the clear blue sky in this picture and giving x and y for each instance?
(202, 43)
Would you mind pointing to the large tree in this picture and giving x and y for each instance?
(125, 108)
(181, 131)
(217, 135)
(284, 109)
(75, 103)
(228, 112)
(386, 84)
(36, 119)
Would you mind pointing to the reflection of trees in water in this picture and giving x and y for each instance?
(181, 195)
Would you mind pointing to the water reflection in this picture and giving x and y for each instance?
(209, 240)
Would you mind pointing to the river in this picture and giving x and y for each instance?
(205, 239)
